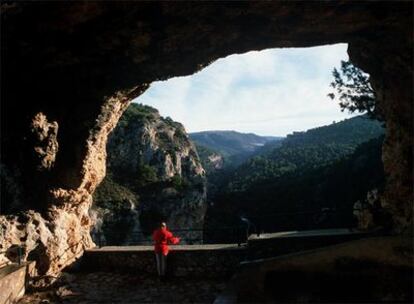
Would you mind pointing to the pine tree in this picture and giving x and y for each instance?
(353, 90)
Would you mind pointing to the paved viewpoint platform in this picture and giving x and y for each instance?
(212, 260)
(208, 261)
(368, 270)
(275, 244)
(308, 233)
(139, 248)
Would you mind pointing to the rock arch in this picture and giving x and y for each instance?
(69, 70)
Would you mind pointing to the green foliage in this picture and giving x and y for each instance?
(170, 137)
(305, 150)
(335, 186)
(204, 153)
(168, 144)
(116, 200)
(145, 174)
(353, 90)
(173, 124)
(180, 134)
(109, 193)
(179, 183)
(138, 144)
(231, 143)
(137, 113)
(118, 223)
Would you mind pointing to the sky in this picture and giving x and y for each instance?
(271, 92)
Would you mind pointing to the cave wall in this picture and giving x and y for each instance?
(69, 70)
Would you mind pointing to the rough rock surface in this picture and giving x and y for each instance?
(84, 61)
(46, 135)
(216, 161)
(56, 237)
(152, 158)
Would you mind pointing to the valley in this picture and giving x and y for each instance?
(209, 180)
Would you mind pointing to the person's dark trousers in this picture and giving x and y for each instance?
(161, 264)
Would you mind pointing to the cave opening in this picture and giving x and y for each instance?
(82, 65)
(222, 149)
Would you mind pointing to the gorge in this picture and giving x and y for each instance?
(153, 175)
(76, 67)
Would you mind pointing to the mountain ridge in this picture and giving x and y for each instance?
(309, 149)
(230, 142)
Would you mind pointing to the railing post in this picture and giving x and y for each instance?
(238, 237)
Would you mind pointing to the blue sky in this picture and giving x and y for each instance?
(270, 92)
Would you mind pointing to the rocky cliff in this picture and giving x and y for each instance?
(161, 177)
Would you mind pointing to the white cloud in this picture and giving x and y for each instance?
(271, 92)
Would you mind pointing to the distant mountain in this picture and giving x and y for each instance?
(221, 152)
(305, 150)
(230, 143)
(325, 168)
(352, 131)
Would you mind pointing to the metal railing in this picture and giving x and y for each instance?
(239, 234)
(307, 220)
(236, 234)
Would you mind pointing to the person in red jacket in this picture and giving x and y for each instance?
(162, 237)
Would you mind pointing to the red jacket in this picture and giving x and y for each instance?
(161, 238)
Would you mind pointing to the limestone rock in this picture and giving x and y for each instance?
(56, 237)
(154, 160)
(216, 161)
(47, 145)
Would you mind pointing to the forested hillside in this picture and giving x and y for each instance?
(295, 200)
(305, 150)
(233, 147)
(230, 142)
(155, 172)
(327, 168)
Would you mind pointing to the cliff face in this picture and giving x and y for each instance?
(56, 236)
(216, 161)
(154, 159)
(83, 63)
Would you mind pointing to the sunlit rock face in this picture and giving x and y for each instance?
(56, 236)
(216, 161)
(154, 175)
(79, 64)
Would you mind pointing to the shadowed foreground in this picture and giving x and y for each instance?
(105, 287)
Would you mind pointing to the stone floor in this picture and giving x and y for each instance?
(126, 288)
(208, 247)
